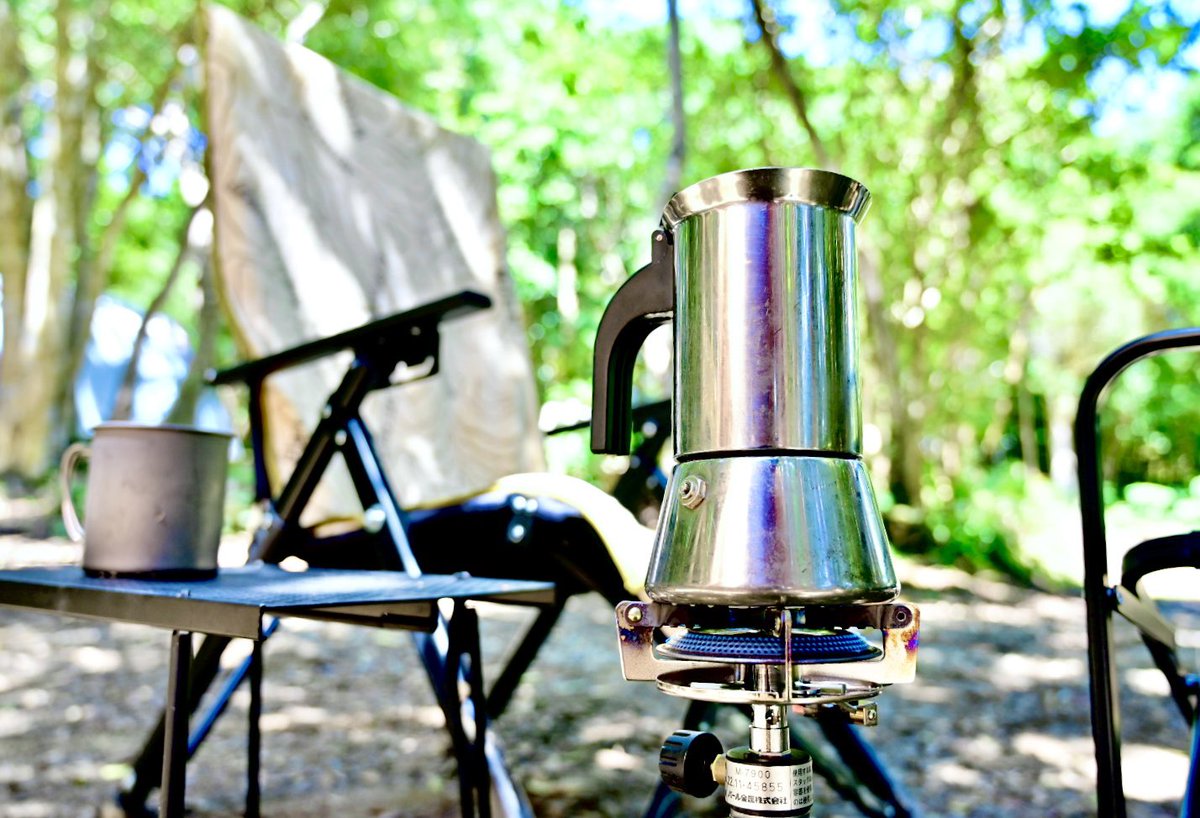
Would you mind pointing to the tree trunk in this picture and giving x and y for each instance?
(903, 441)
(904, 479)
(678, 122)
(1063, 463)
(184, 410)
(14, 213)
(82, 199)
(95, 267)
(1016, 372)
(1027, 428)
(767, 27)
(31, 429)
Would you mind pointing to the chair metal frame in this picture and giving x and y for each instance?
(1126, 598)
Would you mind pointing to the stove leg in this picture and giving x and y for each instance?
(175, 745)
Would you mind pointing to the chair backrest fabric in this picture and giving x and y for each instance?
(334, 205)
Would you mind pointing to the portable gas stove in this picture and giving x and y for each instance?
(771, 567)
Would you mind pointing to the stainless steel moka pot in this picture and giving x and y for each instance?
(770, 565)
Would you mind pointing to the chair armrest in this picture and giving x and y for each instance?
(403, 332)
(657, 411)
(1160, 554)
(1176, 551)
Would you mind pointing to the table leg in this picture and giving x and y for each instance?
(254, 739)
(147, 769)
(175, 746)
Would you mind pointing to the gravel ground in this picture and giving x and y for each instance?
(996, 724)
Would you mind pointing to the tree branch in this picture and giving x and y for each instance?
(767, 26)
(116, 225)
(184, 410)
(84, 182)
(95, 270)
(123, 406)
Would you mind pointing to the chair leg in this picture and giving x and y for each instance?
(1190, 808)
(871, 787)
(520, 660)
(480, 776)
(469, 750)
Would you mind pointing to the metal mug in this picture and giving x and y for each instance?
(155, 500)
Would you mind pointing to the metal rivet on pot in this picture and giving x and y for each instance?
(692, 491)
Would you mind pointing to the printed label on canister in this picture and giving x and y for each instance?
(762, 790)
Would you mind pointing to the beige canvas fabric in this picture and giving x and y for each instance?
(334, 205)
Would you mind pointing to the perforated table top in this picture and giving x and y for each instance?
(234, 602)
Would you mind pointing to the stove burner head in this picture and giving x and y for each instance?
(756, 647)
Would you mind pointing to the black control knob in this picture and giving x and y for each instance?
(686, 760)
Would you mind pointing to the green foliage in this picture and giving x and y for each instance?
(971, 522)
(1014, 245)
(1149, 426)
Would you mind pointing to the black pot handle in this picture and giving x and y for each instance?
(644, 301)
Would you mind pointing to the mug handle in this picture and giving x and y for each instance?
(70, 459)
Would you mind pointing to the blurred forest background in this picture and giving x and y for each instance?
(1035, 166)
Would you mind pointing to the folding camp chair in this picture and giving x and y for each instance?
(1129, 597)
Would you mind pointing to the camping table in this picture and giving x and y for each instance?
(235, 604)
